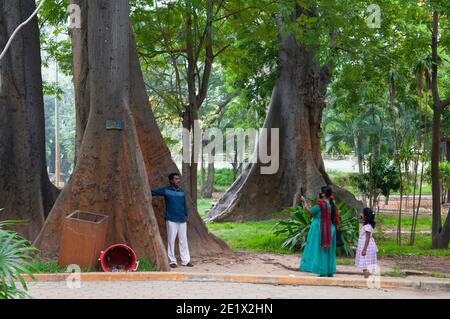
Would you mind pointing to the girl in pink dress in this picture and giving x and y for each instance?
(366, 253)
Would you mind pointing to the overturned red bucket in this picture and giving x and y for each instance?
(118, 258)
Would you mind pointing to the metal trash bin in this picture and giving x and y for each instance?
(83, 238)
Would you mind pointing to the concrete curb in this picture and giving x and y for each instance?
(255, 279)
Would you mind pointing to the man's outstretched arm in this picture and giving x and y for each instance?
(159, 191)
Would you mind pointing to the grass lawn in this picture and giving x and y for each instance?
(396, 272)
(203, 204)
(253, 236)
(258, 237)
(339, 177)
(51, 267)
(426, 190)
(388, 247)
(345, 261)
(47, 267)
(390, 221)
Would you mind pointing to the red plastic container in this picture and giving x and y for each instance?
(118, 258)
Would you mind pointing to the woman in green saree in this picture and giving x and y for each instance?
(319, 255)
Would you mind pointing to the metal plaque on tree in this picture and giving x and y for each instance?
(114, 125)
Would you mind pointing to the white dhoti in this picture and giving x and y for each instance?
(180, 230)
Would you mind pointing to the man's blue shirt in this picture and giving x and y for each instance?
(176, 210)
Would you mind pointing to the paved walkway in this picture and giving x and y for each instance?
(215, 290)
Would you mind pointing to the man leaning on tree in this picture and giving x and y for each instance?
(177, 217)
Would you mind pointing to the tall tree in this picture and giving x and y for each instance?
(159, 164)
(110, 173)
(25, 190)
(188, 35)
(298, 100)
(441, 234)
(132, 160)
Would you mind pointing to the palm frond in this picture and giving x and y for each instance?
(15, 255)
(297, 227)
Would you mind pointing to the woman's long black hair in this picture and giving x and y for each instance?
(369, 217)
(328, 192)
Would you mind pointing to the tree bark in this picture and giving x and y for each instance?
(26, 192)
(202, 173)
(424, 151)
(81, 75)
(436, 226)
(110, 176)
(189, 169)
(444, 236)
(441, 235)
(296, 109)
(196, 93)
(208, 188)
(157, 158)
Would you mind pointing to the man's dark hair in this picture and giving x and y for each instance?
(172, 176)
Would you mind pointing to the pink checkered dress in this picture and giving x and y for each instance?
(369, 261)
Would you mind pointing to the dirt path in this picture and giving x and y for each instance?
(276, 264)
(253, 263)
(425, 263)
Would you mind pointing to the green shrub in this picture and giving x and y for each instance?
(297, 226)
(204, 204)
(385, 178)
(14, 261)
(295, 229)
(145, 265)
(342, 181)
(349, 230)
(444, 174)
(360, 181)
(223, 177)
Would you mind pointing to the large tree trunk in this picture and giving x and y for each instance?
(435, 183)
(110, 176)
(296, 109)
(81, 76)
(25, 190)
(440, 234)
(443, 239)
(197, 84)
(159, 164)
(208, 187)
(189, 169)
(156, 154)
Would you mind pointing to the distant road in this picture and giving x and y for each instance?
(347, 165)
(397, 197)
